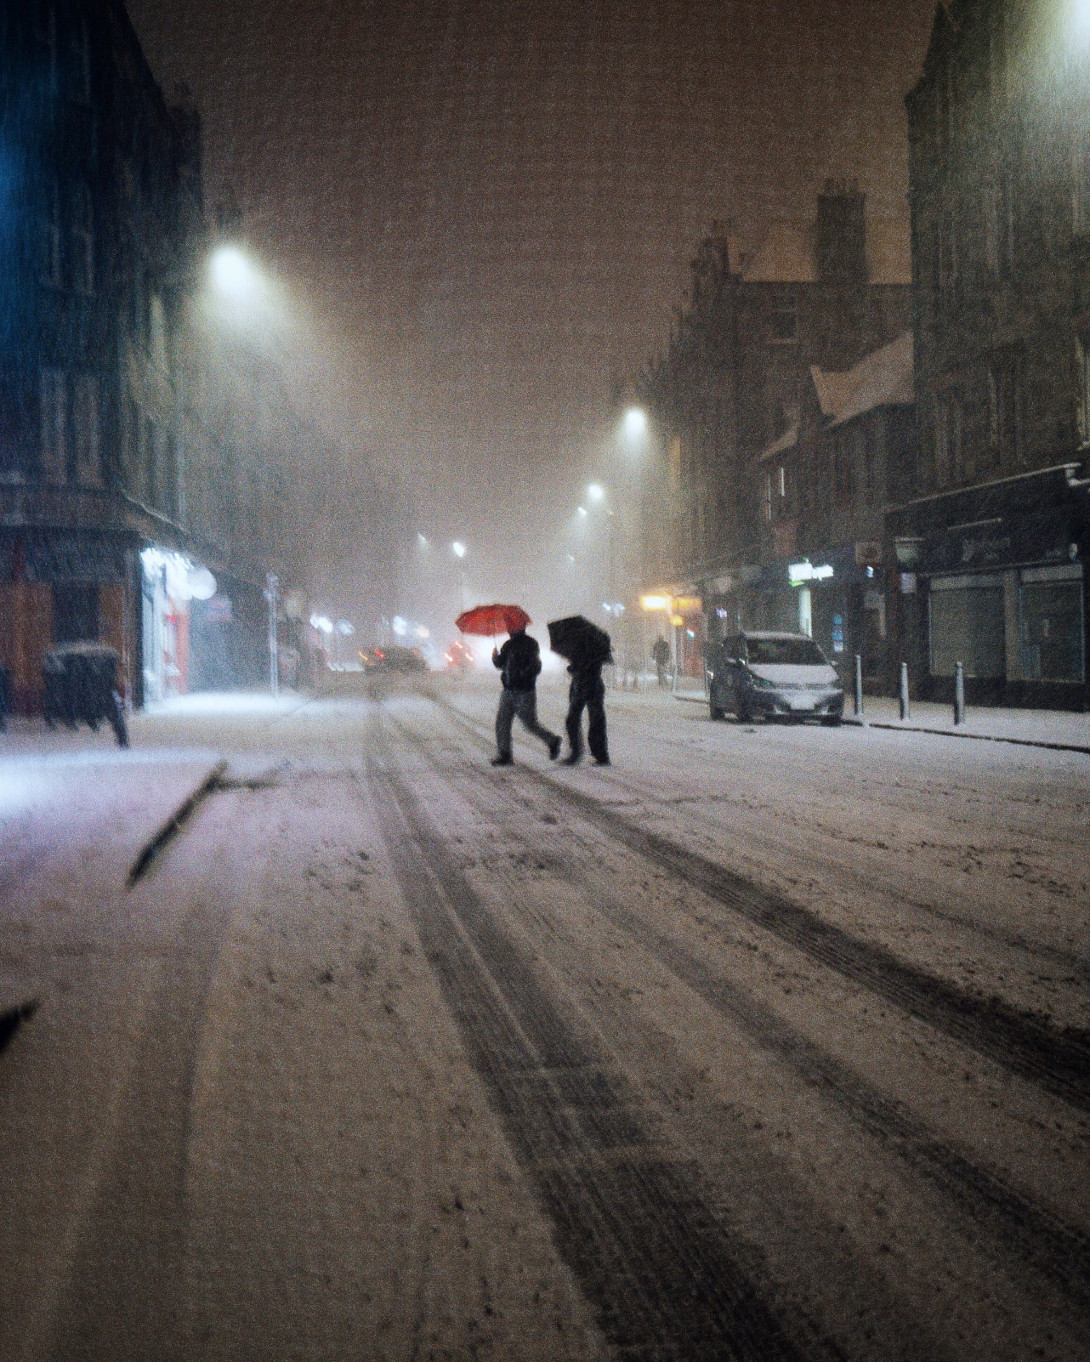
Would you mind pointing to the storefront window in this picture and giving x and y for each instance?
(1053, 647)
(966, 617)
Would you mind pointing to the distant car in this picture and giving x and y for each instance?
(459, 656)
(765, 675)
(393, 658)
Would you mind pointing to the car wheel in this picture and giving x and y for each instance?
(831, 721)
(716, 711)
(744, 712)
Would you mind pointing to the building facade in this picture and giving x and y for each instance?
(99, 203)
(990, 552)
(827, 484)
(154, 464)
(731, 391)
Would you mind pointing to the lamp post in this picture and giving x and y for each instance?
(272, 585)
(459, 550)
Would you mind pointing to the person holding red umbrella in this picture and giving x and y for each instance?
(519, 662)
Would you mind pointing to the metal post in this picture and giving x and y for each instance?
(904, 690)
(858, 685)
(271, 585)
(959, 694)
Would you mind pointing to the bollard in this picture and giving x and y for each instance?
(959, 694)
(904, 690)
(858, 685)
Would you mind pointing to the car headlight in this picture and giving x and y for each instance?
(762, 684)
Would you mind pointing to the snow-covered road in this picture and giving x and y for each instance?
(764, 1042)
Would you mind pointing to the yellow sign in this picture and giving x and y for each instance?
(655, 602)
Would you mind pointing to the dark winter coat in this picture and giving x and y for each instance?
(519, 661)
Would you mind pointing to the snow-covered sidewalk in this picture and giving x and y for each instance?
(1036, 727)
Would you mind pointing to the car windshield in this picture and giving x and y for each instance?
(778, 652)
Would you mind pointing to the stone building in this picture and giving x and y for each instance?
(827, 483)
(734, 382)
(990, 552)
(99, 203)
(150, 448)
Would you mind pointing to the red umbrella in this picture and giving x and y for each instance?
(493, 619)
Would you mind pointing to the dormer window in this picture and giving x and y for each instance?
(49, 242)
(83, 240)
(785, 319)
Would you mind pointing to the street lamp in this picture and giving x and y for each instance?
(459, 551)
(233, 274)
(635, 424)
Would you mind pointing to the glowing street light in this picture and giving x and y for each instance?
(233, 275)
(458, 549)
(596, 492)
(635, 423)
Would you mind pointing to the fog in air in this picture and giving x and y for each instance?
(481, 218)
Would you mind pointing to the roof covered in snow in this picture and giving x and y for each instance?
(881, 379)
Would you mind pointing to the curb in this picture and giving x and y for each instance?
(861, 721)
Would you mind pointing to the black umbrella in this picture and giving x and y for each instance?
(580, 641)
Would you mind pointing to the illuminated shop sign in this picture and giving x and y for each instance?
(798, 573)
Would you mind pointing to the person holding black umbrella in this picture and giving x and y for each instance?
(587, 649)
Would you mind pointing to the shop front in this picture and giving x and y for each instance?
(63, 586)
(1000, 588)
(835, 596)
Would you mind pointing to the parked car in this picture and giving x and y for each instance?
(393, 658)
(765, 675)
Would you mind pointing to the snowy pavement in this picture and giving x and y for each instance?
(765, 1042)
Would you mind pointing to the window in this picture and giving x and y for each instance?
(1006, 387)
(53, 413)
(948, 255)
(46, 33)
(1080, 182)
(1051, 624)
(844, 469)
(785, 319)
(80, 43)
(157, 331)
(869, 440)
(87, 431)
(948, 431)
(50, 239)
(1082, 356)
(967, 626)
(83, 240)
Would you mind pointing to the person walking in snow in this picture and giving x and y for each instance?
(660, 655)
(588, 691)
(519, 662)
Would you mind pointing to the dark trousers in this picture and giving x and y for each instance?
(524, 704)
(589, 693)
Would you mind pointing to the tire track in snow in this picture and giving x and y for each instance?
(669, 1278)
(1038, 1237)
(1058, 1064)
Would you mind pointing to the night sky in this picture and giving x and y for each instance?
(490, 205)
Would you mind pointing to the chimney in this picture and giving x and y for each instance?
(842, 234)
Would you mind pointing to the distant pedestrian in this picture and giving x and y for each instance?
(588, 691)
(660, 655)
(519, 662)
